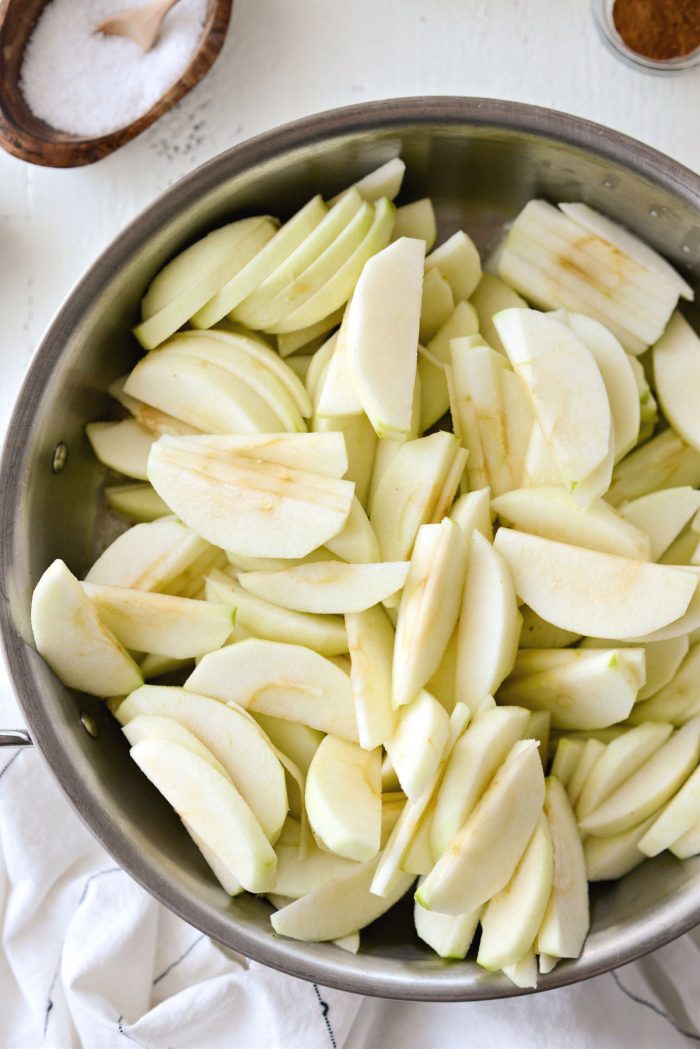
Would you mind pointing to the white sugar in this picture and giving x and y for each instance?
(89, 84)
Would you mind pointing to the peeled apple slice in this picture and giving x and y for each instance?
(622, 757)
(71, 637)
(382, 342)
(592, 751)
(483, 856)
(662, 515)
(148, 556)
(122, 446)
(296, 741)
(343, 798)
(150, 726)
(489, 297)
(489, 624)
(611, 858)
(233, 739)
(361, 445)
(679, 699)
(510, 920)
(417, 220)
(665, 461)
(357, 542)
(370, 637)
(168, 626)
(599, 595)
(416, 746)
(676, 359)
(538, 633)
(437, 305)
(653, 784)
(566, 759)
(430, 606)
(556, 368)
(339, 907)
(551, 512)
(449, 935)
(286, 681)
(259, 509)
(384, 181)
(472, 512)
(213, 808)
(138, 502)
(566, 919)
(681, 813)
(328, 586)
(297, 874)
(457, 260)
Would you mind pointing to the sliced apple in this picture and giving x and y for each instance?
(298, 742)
(343, 798)
(213, 808)
(430, 606)
(384, 181)
(662, 660)
(309, 340)
(256, 508)
(339, 907)
(299, 874)
(437, 304)
(286, 681)
(523, 973)
(457, 260)
(687, 845)
(539, 465)
(665, 461)
(555, 367)
(679, 699)
(139, 502)
(328, 586)
(361, 445)
(538, 633)
(449, 935)
(511, 919)
(148, 556)
(566, 758)
(382, 344)
(588, 690)
(647, 789)
(621, 758)
(680, 814)
(416, 745)
(70, 635)
(370, 638)
(611, 858)
(676, 359)
(662, 515)
(357, 542)
(489, 624)
(484, 854)
(334, 392)
(122, 446)
(472, 512)
(150, 726)
(474, 761)
(234, 739)
(168, 626)
(550, 512)
(592, 751)
(566, 919)
(587, 592)
(417, 220)
(489, 297)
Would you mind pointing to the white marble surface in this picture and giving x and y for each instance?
(287, 58)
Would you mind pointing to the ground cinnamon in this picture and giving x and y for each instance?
(659, 29)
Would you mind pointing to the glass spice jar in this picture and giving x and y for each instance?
(603, 17)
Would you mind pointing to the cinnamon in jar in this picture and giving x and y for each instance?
(659, 29)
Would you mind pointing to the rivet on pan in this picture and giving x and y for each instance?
(89, 724)
(59, 457)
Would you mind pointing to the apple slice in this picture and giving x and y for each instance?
(322, 453)
(337, 289)
(384, 181)
(550, 512)
(343, 798)
(555, 367)
(647, 789)
(588, 690)
(69, 634)
(417, 220)
(566, 758)
(156, 726)
(538, 728)
(148, 556)
(474, 761)
(662, 660)
(434, 397)
(566, 919)
(334, 392)
(665, 461)
(648, 408)
(298, 875)
(287, 681)
(489, 624)
(357, 542)
(591, 593)
(191, 582)
(122, 446)
(370, 638)
(309, 340)
(680, 814)
(539, 465)
(449, 935)
(437, 305)
(417, 743)
(662, 515)
(361, 444)
(685, 846)
(382, 342)
(256, 508)
(457, 260)
(430, 606)
(472, 512)
(328, 586)
(339, 907)
(139, 502)
(145, 414)
(677, 375)
(296, 741)
(611, 858)
(324, 634)
(593, 749)
(212, 807)
(538, 633)
(523, 973)
(677, 701)
(621, 758)
(617, 374)
(234, 739)
(484, 854)
(511, 919)
(168, 626)
(489, 297)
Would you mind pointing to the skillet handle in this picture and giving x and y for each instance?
(15, 737)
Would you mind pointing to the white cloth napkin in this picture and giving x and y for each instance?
(90, 960)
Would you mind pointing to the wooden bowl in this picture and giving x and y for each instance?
(31, 139)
